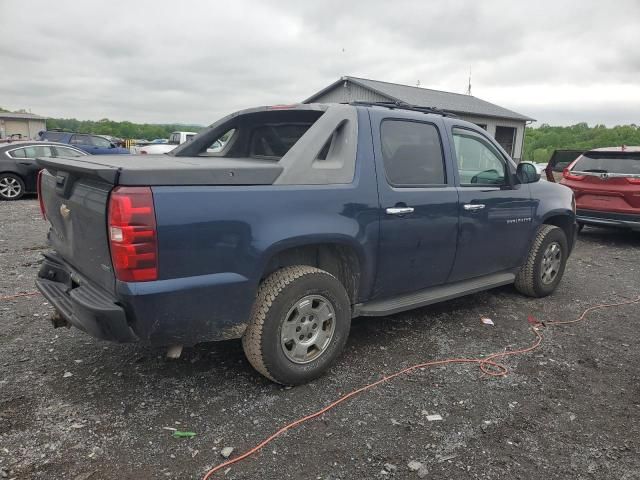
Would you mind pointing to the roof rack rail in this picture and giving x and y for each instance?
(403, 106)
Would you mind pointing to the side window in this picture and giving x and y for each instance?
(80, 140)
(479, 163)
(19, 153)
(36, 151)
(412, 153)
(100, 142)
(221, 142)
(67, 152)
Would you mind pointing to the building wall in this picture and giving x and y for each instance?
(352, 93)
(28, 128)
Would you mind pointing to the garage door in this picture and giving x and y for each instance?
(12, 127)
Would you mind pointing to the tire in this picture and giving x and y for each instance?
(11, 186)
(536, 278)
(288, 305)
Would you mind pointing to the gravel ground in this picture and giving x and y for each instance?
(77, 408)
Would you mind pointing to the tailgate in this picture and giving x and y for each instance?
(75, 196)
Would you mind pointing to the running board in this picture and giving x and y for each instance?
(431, 295)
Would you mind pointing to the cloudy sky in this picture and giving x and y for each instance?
(560, 62)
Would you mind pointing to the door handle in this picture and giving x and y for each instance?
(399, 210)
(472, 207)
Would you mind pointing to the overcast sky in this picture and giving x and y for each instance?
(560, 62)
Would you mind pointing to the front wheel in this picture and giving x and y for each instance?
(299, 325)
(544, 267)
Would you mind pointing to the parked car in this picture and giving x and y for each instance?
(306, 217)
(93, 144)
(606, 183)
(175, 139)
(560, 159)
(18, 167)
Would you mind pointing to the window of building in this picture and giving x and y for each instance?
(506, 137)
(412, 153)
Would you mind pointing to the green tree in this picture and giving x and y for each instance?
(540, 142)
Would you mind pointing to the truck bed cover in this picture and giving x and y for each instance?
(157, 170)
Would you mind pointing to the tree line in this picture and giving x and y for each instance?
(540, 142)
(147, 131)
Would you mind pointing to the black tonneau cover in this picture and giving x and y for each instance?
(156, 170)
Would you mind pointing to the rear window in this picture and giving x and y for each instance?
(54, 136)
(274, 141)
(627, 163)
(262, 134)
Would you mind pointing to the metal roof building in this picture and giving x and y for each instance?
(505, 125)
(27, 125)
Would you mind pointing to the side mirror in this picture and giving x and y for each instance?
(111, 145)
(527, 173)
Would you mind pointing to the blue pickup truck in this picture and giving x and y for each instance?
(278, 225)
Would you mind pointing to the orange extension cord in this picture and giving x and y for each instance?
(11, 297)
(488, 366)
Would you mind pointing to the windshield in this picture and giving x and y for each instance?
(627, 163)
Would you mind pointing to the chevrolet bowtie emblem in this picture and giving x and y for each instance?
(64, 211)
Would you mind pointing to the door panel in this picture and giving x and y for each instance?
(496, 214)
(419, 205)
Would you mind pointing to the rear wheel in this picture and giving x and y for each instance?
(299, 325)
(543, 270)
(11, 186)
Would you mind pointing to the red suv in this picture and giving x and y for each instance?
(606, 183)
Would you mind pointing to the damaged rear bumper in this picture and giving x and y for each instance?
(81, 303)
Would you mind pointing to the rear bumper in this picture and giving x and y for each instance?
(608, 219)
(81, 303)
(182, 311)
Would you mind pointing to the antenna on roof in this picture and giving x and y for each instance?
(468, 92)
(418, 83)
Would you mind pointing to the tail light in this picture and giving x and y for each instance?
(133, 234)
(566, 173)
(633, 180)
(43, 211)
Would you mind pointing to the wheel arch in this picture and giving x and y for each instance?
(340, 257)
(565, 221)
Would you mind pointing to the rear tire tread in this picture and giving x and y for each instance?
(268, 291)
